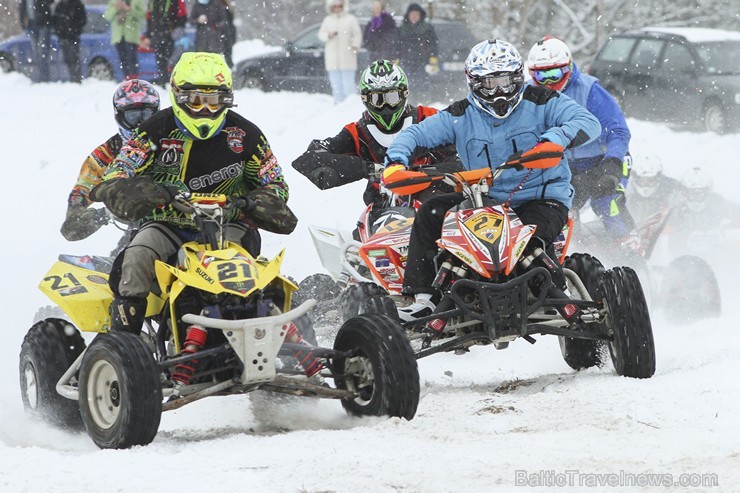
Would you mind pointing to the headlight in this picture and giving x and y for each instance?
(737, 98)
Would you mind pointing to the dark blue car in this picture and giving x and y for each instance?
(99, 58)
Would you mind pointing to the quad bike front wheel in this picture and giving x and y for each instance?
(120, 391)
(583, 353)
(380, 367)
(632, 347)
(48, 350)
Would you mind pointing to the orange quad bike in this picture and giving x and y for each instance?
(485, 280)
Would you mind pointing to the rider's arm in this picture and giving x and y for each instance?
(614, 128)
(437, 130)
(261, 168)
(569, 124)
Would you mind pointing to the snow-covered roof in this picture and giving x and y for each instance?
(697, 34)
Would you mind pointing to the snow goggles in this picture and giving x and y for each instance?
(391, 98)
(135, 116)
(199, 99)
(549, 76)
(490, 84)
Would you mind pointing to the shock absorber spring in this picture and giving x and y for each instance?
(195, 339)
(310, 364)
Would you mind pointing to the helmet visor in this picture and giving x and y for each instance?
(135, 116)
(378, 99)
(204, 101)
(491, 84)
(550, 76)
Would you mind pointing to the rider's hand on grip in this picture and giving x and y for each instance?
(544, 154)
(132, 198)
(389, 170)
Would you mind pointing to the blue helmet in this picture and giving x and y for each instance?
(495, 73)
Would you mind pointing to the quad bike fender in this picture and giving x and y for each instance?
(330, 244)
(230, 270)
(256, 341)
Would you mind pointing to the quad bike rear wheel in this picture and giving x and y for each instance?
(120, 391)
(48, 350)
(632, 347)
(381, 368)
(584, 353)
(366, 297)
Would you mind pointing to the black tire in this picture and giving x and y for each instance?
(632, 347)
(252, 80)
(48, 350)
(100, 69)
(355, 300)
(714, 117)
(690, 290)
(389, 386)
(381, 304)
(584, 353)
(320, 287)
(120, 391)
(6, 63)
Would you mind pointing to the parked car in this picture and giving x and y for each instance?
(98, 57)
(685, 76)
(299, 66)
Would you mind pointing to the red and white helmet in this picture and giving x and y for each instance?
(550, 63)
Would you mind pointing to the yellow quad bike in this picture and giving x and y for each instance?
(218, 322)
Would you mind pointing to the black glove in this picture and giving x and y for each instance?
(269, 212)
(132, 198)
(611, 177)
(81, 222)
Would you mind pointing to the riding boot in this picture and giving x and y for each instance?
(127, 314)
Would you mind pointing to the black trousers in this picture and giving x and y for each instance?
(548, 215)
(162, 52)
(129, 62)
(71, 57)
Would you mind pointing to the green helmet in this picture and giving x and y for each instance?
(384, 90)
(201, 92)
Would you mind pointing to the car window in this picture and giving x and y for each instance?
(677, 58)
(455, 41)
(720, 58)
(96, 23)
(308, 40)
(617, 50)
(646, 53)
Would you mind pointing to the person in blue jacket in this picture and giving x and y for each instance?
(601, 168)
(501, 116)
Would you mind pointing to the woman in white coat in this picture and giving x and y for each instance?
(342, 36)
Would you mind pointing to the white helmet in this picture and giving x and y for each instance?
(646, 173)
(697, 184)
(550, 63)
(495, 73)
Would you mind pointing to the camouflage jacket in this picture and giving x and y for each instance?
(234, 162)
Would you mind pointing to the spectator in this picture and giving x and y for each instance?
(210, 18)
(381, 34)
(69, 18)
(163, 17)
(35, 16)
(230, 34)
(342, 35)
(125, 17)
(417, 46)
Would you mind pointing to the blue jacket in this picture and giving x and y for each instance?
(485, 141)
(615, 137)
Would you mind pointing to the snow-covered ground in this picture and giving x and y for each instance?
(488, 420)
